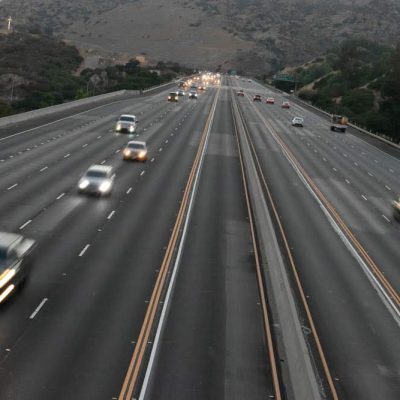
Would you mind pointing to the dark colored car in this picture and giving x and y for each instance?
(257, 97)
(173, 96)
(240, 93)
(15, 262)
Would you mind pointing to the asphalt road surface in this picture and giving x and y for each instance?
(73, 330)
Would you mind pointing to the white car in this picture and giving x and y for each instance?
(126, 123)
(135, 150)
(98, 179)
(297, 121)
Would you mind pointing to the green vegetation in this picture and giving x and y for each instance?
(359, 79)
(38, 71)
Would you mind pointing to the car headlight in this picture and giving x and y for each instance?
(127, 152)
(105, 186)
(169, 97)
(142, 154)
(6, 277)
(83, 184)
(131, 128)
(119, 127)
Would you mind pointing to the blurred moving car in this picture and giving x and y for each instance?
(173, 97)
(192, 95)
(240, 93)
(135, 150)
(257, 97)
(285, 104)
(181, 92)
(297, 121)
(270, 100)
(15, 262)
(126, 123)
(339, 123)
(396, 209)
(98, 179)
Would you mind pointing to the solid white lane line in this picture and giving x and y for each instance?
(111, 214)
(364, 197)
(387, 219)
(38, 308)
(44, 168)
(60, 196)
(25, 224)
(129, 190)
(13, 186)
(67, 155)
(84, 250)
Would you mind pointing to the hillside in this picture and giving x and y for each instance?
(360, 79)
(253, 35)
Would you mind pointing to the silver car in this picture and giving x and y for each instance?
(135, 150)
(98, 179)
(126, 123)
(297, 121)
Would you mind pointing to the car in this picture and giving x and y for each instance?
(98, 180)
(135, 150)
(15, 262)
(126, 123)
(297, 121)
(240, 93)
(257, 97)
(173, 97)
(270, 100)
(285, 104)
(202, 88)
(396, 209)
(181, 92)
(193, 95)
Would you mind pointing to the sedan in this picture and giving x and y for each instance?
(257, 97)
(297, 121)
(15, 262)
(98, 179)
(270, 100)
(126, 123)
(135, 150)
(285, 104)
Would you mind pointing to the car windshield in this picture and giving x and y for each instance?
(172, 94)
(96, 174)
(136, 146)
(127, 119)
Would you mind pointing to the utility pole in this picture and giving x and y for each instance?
(12, 90)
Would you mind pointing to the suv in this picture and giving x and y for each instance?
(173, 96)
(15, 261)
(135, 150)
(126, 123)
(98, 179)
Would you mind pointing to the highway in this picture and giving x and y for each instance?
(156, 292)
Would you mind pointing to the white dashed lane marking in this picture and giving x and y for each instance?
(38, 308)
(25, 224)
(13, 186)
(84, 250)
(60, 196)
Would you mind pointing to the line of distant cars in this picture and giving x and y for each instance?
(296, 121)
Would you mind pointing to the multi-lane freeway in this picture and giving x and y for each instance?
(160, 291)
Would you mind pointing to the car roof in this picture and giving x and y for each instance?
(127, 115)
(136, 142)
(100, 168)
(7, 239)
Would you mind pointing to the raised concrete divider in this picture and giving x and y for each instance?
(300, 377)
(93, 100)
